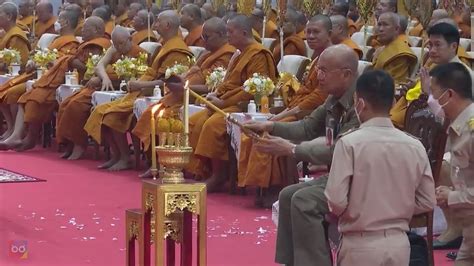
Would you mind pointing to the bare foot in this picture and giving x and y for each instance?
(9, 145)
(215, 184)
(77, 153)
(120, 165)
(109, 163)
(146, 174)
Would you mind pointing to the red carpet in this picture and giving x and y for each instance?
(77, 216)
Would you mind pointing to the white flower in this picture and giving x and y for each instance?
(257, 81)
(255, 74)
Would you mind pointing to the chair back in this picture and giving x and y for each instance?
(471, 61)
(196, 50)
(358, 37)
(149, 47)
(415, 41)
(365, 50)
(269, 43)
(465, 43)
(309, 51)
(417, 52)
(363, 66)
(370, 29)
(294, 64)
(430, 130)
(46, 39)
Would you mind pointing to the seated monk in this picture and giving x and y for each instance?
(75, 110)
(191, 20)
(208, 135)
(417, 30)
(25, 9)
(140, 24)
(121, 16)
(131, 13)
(443, 44)
(265, 170)
(340, 34)
(46, 19)
(91, 5)
(13, 37)
(383, 6)
(271, 29)
(293, 44)
(78, 10)
(342, 9)
(218, 53)
(11, 91)
(110, 122)
(301, 25)
(37, 105)
(403, 29)
(105, 14)
(395, 56)
(463, 19)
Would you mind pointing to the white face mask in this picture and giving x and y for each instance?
(57, 26)
(435, 107)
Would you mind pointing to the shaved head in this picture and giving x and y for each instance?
(388, 27)
(44, 11)
(9, 12)
(340, 29)
(25, 7)
(120, 32)
(192, 10)
(96, 3)
(133, 9)
(122, 40)
(216, 25)
(241, 22)
(403, 24)
(167, 24)
(438, 14)
(214, 34)
(102, 13)
(340, 21)
(140, 21)
(340, 8)
(326, 21)
(74, 8)
(94, 27)
(71, 17)
(191, 16)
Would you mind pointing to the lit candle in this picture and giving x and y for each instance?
(186, 112)
(33, 24)
(153, 169)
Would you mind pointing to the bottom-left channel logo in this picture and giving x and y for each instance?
(19, 249)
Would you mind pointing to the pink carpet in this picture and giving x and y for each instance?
(77, 216)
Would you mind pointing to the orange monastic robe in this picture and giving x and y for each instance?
(45, 27)
(397, 59)
(142, 36)
(194, 37)
(196, 76)
(208, 135)
(262, 169)
(16, 39)
(11, 91)
(351, 26)
(109, 27)
(271, 30)
(293, 45)
(302, 35)
(122, 20)
(25, 23)
(349, 42)
(118, 115)
(79, 27)
(417, 30)
(41, 100)
(75, 110)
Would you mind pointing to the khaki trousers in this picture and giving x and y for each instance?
(387, 247)
(466, 252)
(301, 239)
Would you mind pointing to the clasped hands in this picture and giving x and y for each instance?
(268, 143)
(442, 195)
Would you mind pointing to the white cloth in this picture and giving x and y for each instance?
(64, 91)
(192, 110)
(235, 132)
(439, 224)
(101, 97)
(141, 104)
(29, 84)
(5, 78)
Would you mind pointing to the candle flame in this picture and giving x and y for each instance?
(155, 108)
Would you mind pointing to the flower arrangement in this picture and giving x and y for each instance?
(92, 61)
(169, 125)
(215, 78)
(131, 67)
(179, 69)
(10, 56)
(259, 85)
(45, 56)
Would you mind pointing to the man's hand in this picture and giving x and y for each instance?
(259, 127)
(94, 83)
(215, 100)
(107, 84)
(425, 80)
(442, 194)
(274, 145)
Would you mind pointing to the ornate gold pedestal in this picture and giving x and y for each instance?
(133, 233)
(168, 209)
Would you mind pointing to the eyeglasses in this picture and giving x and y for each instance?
(323, 72)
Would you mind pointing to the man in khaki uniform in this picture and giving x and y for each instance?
(301, 235)
(373, 197)
(451, 97)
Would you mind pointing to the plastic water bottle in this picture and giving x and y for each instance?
(123, 85)
(75, 80)
(252, 107)
(157, 91)
(68, 78)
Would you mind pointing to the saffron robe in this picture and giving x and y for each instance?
(194, 37)
(142, 36)
(293, 45)
(16, 39)
(25, 23)
(349, 42)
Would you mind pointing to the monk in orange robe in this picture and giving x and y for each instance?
(121, 16)
(208, 135)
(37, 105)
(417, 30)
(11, 91)
(46, 19)
(131, 13)
(13, 38)
(342, 9)
(75, 110)
(191, 20)
(78, 10)
(395, 56)
(140, 24)
(218, 53)
(293, 44)
(340, 34)
(271, 29)
(463, 19)
(25, 9)
(105, 14)
(264, 170)
(301, 25)
(109, 122)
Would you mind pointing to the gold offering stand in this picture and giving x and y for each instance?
(168, 205)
